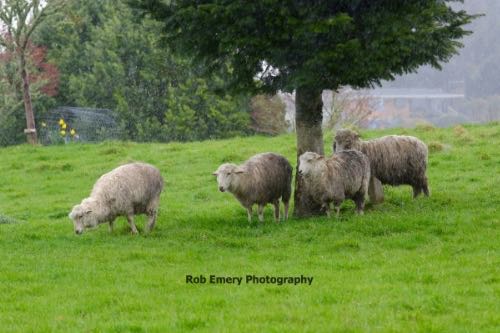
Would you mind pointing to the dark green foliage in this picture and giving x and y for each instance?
(195, 113)
(11, 127)
(322, 44)
(109, 59)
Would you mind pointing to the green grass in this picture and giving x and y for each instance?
(425, 265)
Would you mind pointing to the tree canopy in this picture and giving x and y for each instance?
(320, 43)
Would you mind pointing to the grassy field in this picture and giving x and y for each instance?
(425, 265)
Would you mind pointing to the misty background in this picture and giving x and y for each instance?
(466, 90)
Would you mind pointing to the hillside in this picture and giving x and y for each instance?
(427, 265)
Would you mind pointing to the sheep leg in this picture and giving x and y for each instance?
(130, 219)
(359, 200)
(249, 214)
(336, 205)
(287, 204)
(261, 213)
(111, 225)
(276, 211)
(152, 214)
(375, 190)
(425, 187)
(416, 190)
(326, 207)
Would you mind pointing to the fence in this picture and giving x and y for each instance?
(67, 124)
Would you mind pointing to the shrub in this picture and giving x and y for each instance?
(268, 114)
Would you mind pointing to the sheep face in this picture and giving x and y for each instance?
(227, 175)
(345, 139)
(83, 216)
(308, 162)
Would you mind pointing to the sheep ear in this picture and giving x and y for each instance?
(215, 173)
(88, 211)
(240, 170)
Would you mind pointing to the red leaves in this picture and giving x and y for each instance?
(40, 73)
(45, 72)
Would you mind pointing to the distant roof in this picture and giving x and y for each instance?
(411, 93)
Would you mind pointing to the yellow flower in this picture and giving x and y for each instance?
(61, 122)
(73, 132)
(63, 126)
(63, 133)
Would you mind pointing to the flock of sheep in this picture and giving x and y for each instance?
(355, 169)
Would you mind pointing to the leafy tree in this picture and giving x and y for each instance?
(108, 58)
(309, 46)
(19, 19)
(43, 82)
(196, 113)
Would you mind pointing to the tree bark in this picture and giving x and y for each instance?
(28, 107)
(308, 118)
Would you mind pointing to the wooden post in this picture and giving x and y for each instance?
(30, 130)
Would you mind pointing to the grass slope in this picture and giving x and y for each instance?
(425, 265)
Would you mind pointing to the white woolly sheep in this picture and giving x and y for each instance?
(344, 175)
(128, 190)
(263, 179)
(394, 160)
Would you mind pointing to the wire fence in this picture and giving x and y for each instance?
(71, 124)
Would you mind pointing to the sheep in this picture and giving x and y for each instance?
(128, 190)
(394, 160)
(344, 175)
(262, 179)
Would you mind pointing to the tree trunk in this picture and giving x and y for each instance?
(308, 118)
(28, 107)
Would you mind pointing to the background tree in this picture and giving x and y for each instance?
(268, 114)
(109, 58)
(43, 78)
(19, 19)
(309, 46)
(349, 109)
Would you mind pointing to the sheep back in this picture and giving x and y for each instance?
(268, 178)
(349, 173)
(130, 188)
(394, 159)
(397, 160)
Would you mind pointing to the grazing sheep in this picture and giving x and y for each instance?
(394, 160)
(344, 175)
(264, 178)
(128, 190)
